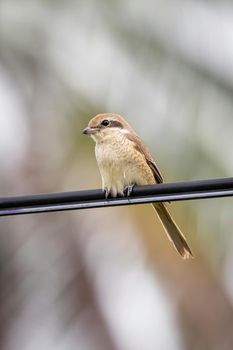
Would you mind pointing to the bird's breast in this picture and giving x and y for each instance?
(110, 154)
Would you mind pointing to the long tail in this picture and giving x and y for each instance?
(172, 230)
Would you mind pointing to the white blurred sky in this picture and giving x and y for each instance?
(13, 130)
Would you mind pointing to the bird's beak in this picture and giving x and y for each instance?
(89, 131)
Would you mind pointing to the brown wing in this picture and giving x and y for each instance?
(140, 147)
(155, 171)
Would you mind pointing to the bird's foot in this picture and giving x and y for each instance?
(128, 190)
(107, 192)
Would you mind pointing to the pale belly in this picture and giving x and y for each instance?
(119, 170)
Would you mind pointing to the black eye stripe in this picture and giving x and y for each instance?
(111, 123)
(116, 124)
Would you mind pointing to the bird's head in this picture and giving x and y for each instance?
(106, 124)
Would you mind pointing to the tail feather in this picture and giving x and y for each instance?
(172, 230)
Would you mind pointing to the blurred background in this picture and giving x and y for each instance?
(109, 278)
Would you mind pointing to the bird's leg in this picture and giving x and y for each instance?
(128, 190)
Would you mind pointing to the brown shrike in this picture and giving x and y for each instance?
(124, 161)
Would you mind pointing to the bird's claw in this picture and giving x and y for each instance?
(106, 192)
(128, 190)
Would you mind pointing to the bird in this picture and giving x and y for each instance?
(124, 162)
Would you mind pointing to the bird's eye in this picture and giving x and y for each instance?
(105, 122)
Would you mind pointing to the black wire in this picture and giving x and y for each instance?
(50, 202)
